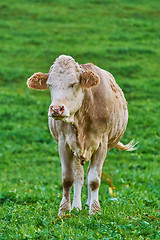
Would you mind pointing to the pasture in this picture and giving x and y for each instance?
(119, 36)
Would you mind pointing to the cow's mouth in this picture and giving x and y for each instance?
(58, 117)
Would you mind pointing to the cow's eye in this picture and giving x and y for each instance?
(73, 84)
(48, 85)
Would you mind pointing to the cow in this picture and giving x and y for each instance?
(87, 117)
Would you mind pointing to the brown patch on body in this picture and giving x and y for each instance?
(113, 87)
(94, 185)
(67, 183)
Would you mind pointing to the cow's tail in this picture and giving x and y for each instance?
(128, 147)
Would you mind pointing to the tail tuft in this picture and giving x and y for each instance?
(128, 147)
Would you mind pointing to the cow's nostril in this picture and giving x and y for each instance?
(61, 108)
(55, 111)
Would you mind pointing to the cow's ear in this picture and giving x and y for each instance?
(89, 79)
(38, 81)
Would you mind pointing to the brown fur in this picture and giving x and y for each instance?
(89, 79)
(94, 185)
(38, 81)
(100, 112)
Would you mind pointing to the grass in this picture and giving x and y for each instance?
(119, 36)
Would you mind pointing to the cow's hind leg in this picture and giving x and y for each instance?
(78, 183)
(94, 177)
(66, 157)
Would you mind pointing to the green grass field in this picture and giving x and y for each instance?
(120, 36)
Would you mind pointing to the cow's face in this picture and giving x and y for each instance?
(66, 82)
(66, 92)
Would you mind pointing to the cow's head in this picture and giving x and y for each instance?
(66, 81)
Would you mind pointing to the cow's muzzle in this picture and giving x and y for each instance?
(57, 111)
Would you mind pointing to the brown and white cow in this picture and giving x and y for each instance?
(87, 117)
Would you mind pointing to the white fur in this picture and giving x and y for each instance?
(93, 176)
(65, 72)
(78, 183)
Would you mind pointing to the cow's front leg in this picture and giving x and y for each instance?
(78, 183)
(66, 157)
(94, 177)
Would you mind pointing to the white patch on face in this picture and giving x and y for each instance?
(64, 86)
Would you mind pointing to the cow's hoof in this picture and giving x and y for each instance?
(76, 205)
(95, 208)
(63, 208)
